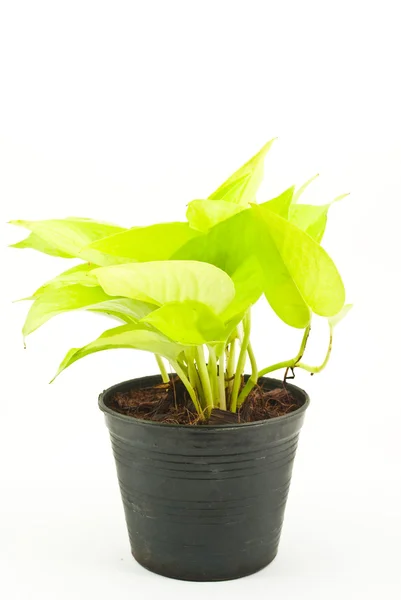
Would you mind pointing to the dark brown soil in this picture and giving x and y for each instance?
(170, 403)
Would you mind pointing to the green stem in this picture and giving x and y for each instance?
(288, 364)
(181, 363)
(204, 377)
(241, 361)
(162, 368)
(324, 363)
(253, 379)
(212, 370)
(230, 369)
(189, 387)
(222, 382)
(193, 376)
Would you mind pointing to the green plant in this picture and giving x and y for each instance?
(184, 291)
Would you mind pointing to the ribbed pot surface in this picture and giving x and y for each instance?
(204, 503)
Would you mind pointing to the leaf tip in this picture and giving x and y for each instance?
(59, 370)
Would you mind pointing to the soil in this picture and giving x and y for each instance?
(170, 403)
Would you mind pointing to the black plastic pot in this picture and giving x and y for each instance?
(204, 503)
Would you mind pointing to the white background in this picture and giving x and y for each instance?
(126, 111)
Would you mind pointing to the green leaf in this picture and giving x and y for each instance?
(189, 323)
(242, 186)
(281, 204)
(229, 246)
(298, 273)
(311, 218)
(156, 242)
(36, 243)
(248, 282)
(333, 321)
(137, 337)
(303, 187)
(204, 214)
(124, 309)
(66, 237)
(74, 297)
(79, 274)
(160, 282)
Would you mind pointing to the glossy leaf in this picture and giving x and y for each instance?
(230, 247)
(242, 186)
(312, 218)
(74, 297)
(281, 204)
(66, 237)
(227, 245)
(160, 282)
(179, 285)
(302, 189)
(299, 275)
(248, 282)
(137, 337)
(34, 242)
(156, 242)
(188, 322)
(125, 309)
(204, 214)
(81, 274)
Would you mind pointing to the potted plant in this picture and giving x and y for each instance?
(204, 454)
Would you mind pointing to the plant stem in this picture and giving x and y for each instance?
(189, 387)
(181, 363)
(288, 363)
(212, 370)
(230, 369)
(204, 377)
(313, 370)
(193, 376)
(241, 361)
(240, 332)
(253, 379)
(162, 368)
(222, 382)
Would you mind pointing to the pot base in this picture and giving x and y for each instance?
(165, 572)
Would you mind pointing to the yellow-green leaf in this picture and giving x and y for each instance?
(137, 337)
(299, 275)
(34, 242)
(242, 186)
(75, 297)
(188, 322)
(312, 218)
(66, 237)
(160, 282)
(204, 214)
(229, 245)
(302, 189)
(80, 274)
(156, 242)
(281, 204)
(248, 282)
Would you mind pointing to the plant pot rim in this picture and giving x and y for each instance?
(227, 427)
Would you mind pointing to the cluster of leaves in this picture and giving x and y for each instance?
(185, 287)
